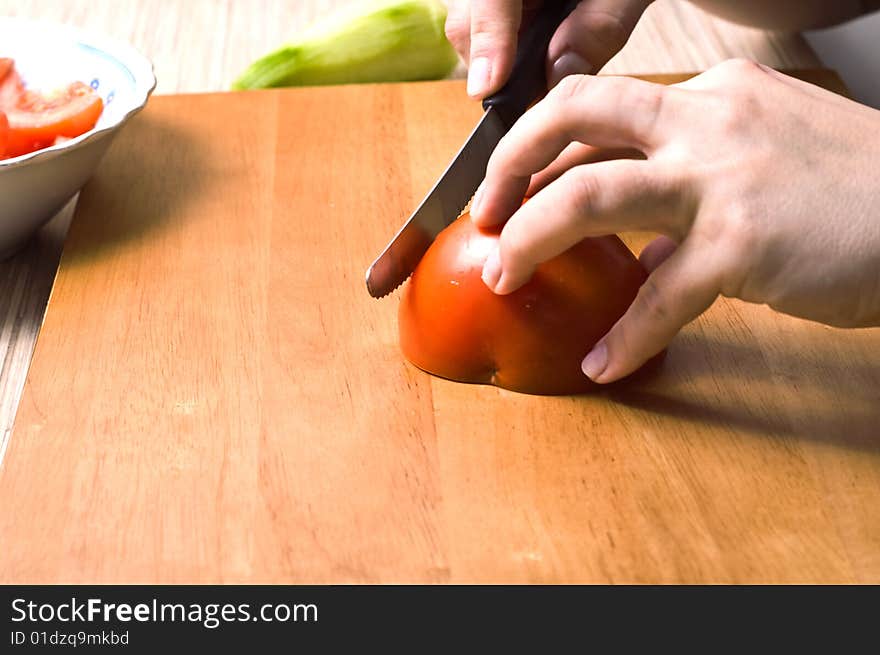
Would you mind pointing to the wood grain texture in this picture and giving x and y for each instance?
(233, 407)
(201, 45)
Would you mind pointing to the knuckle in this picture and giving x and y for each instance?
(734, 238)
(635, 97)
(653, 303)
(647, 102)
(514, 246)
(740, 232)
(457, 26)
(730, 115)
(737, 110)
(616, 87)
(643, 101)
(491, 31)
(456, 30)
(587, 191)
(568, 88)
(740, 68)
(503, 158)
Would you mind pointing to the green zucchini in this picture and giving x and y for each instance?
(367, 41)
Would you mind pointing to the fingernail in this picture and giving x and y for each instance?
(478, 77)
(596, 361)
(492, 269)
(569, 63)
(477, 201)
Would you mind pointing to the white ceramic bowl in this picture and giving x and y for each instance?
(34, 187)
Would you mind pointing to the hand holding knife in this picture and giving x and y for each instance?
(457, 184)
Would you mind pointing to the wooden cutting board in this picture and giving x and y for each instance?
(214, 398)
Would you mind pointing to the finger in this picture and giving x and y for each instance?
(576, 154)
(657, 252)
(493, 31)
(593, 33)
(591, 200)
(678, 291)
(611, 112)
(458, 27)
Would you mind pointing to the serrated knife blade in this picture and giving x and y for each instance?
(443, 204)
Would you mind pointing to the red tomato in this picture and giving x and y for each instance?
(11, 86)
(5, 66)
(4, 134)
(532, 340)
(37, 121)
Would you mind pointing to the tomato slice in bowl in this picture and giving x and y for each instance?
(6, 65)
(37, 120)
(4, 134)
(11, 86)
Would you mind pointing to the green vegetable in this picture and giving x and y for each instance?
(368, 41)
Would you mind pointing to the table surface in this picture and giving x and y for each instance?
(200, 45)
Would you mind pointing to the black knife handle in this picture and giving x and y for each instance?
(528, 81)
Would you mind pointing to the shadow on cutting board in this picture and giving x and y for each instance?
(152, 172)
(824, 398)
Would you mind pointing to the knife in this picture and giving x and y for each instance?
(452, 192)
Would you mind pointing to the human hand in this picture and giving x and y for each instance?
(764, 187)
(485, 35)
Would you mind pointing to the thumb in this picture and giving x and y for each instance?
(678, 291)
(494, 26)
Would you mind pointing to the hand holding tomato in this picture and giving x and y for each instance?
(531, 340)
(764, 187)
